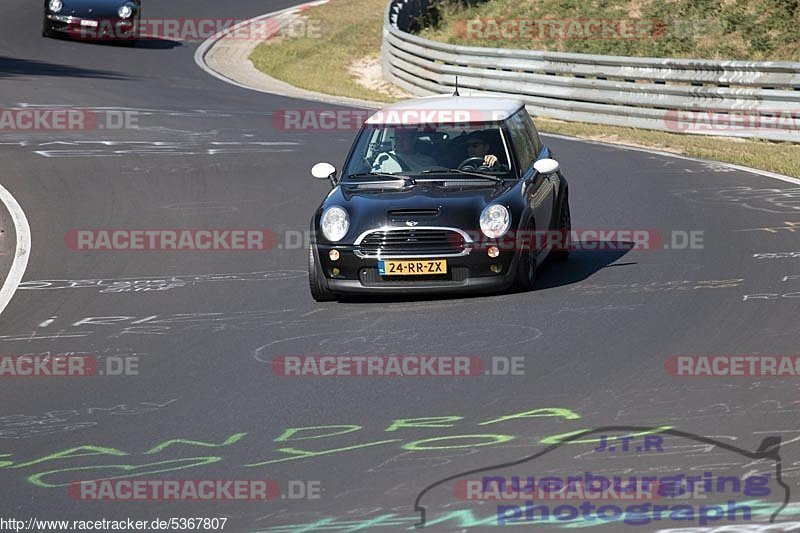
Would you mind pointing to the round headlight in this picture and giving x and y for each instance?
(334, 223)
(495, 221)
(55, 6)
(125, 11)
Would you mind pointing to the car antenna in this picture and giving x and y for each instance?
(455, 93)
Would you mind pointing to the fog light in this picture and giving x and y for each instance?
(493, 251)
(496, 268)
(334, 255)
(335, 271)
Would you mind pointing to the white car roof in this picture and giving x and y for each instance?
(443, 109)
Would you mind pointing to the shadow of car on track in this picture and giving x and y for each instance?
(587, 258)
(145, 42)
(583, 262)
(12, 66)
(153, 43)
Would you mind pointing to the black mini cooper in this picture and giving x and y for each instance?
(440, 194)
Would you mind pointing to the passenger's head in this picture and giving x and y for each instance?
(404, 140)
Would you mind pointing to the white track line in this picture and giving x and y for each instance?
(23, 249)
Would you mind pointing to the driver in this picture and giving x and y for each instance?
(478, 146)
(404, 157)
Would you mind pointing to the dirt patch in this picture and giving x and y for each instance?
(368, 73)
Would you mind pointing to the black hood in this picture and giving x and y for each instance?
(422, 204)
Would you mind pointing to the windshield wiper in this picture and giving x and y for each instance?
(459, 171)
(383, 175)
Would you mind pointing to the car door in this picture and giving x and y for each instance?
(543, 152)
(539, 189)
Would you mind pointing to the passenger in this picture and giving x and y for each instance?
(404, 157)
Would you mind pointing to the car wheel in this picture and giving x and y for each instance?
(319, 291)
(526, 265)
(130, 42)
(565, 226)
(46, 29)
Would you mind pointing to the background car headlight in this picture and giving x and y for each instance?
(495, 221)
(125, 11)
(334, 223)
(55, 6)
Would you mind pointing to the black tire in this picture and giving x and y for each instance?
(526, 265)
(565, 226)
(46, 29)
(319, 291)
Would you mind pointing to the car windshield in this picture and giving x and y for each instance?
(469, 151)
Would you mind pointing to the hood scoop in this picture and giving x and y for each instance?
(413, 214)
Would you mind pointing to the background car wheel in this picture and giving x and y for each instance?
(526, 266)
(46, 29)
(319, 291)
(565, 226)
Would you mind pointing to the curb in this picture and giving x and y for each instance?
(227, 60)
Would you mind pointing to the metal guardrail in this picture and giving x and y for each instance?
(731, 98)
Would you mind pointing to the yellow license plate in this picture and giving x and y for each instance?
(413, 267)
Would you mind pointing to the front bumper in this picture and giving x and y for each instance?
(82, 27)
(467, 273)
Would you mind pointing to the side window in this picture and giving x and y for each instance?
(526, 151)
(534, 135)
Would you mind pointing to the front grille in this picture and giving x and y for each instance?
(412, 242)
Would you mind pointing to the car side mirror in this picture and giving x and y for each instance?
(546, 167)
(324, 171)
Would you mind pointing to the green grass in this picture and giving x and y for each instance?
(351, 30)
(711, 29)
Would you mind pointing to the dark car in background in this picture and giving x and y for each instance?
(428, 205)
(111, 20)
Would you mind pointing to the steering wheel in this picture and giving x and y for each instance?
(472, 163)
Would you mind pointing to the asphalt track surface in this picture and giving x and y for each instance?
(594, 335)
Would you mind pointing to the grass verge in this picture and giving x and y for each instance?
(754, 30)
(351, 30)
